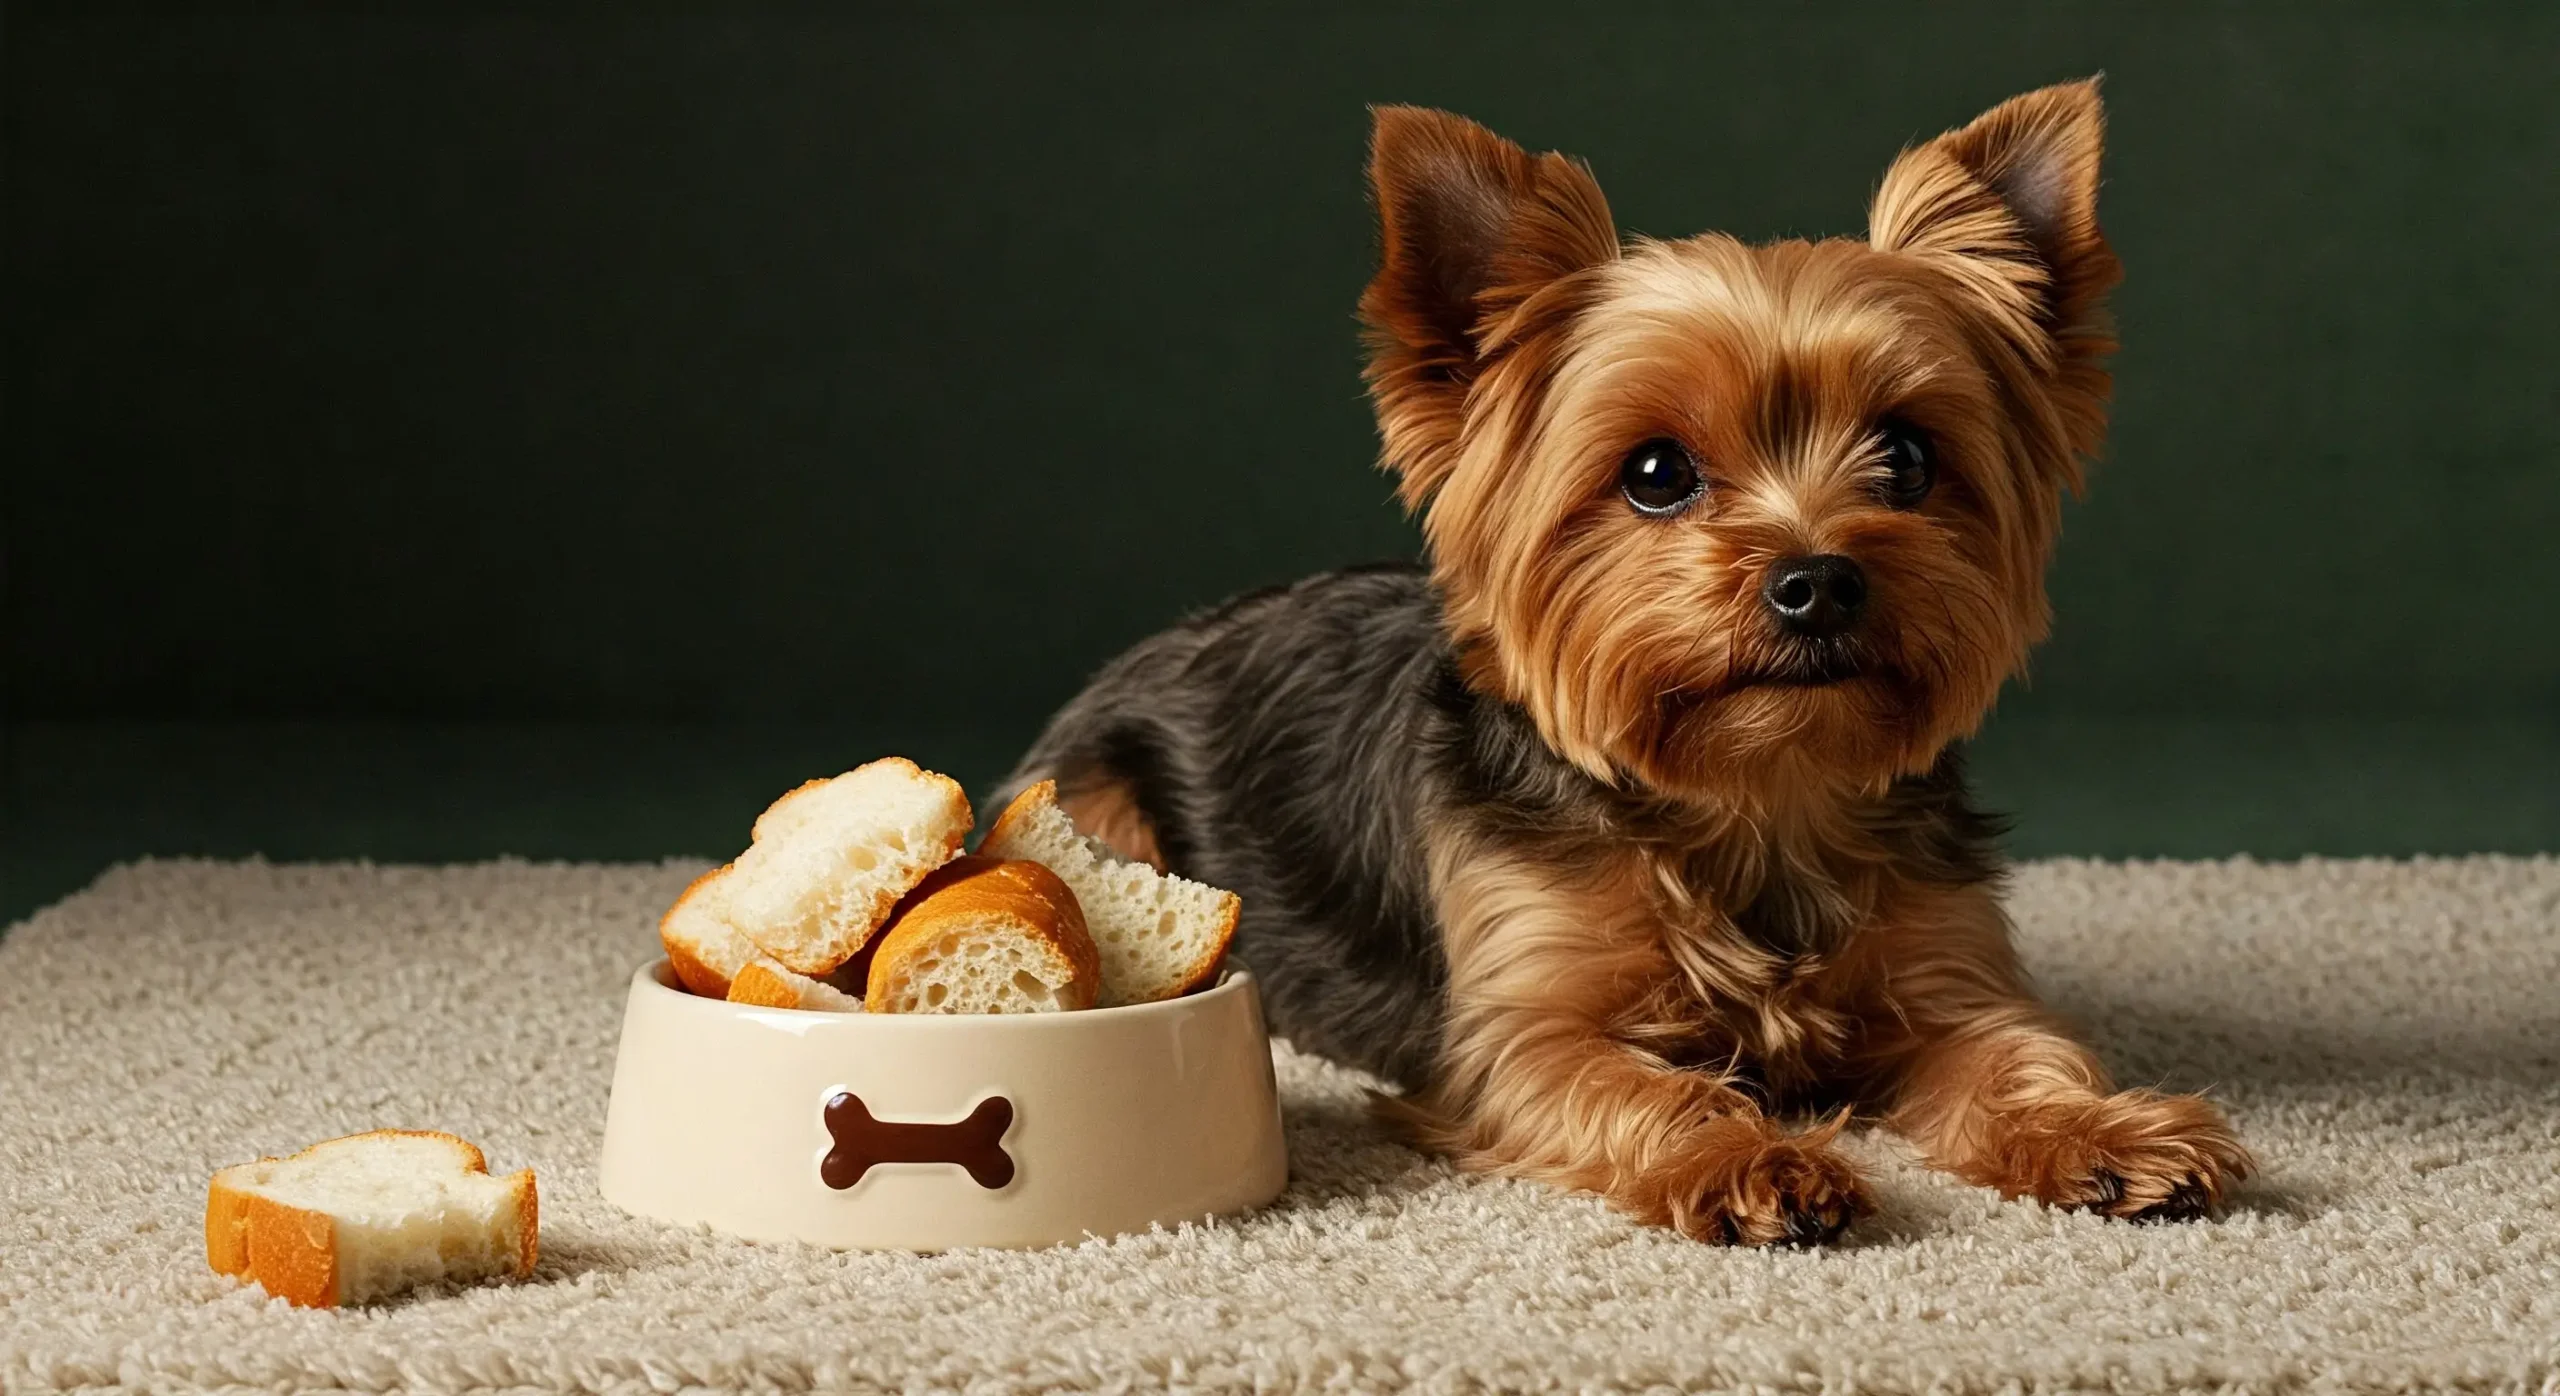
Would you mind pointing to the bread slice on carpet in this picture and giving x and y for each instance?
(832, 858)
(1159, 936)
(362, 1218)
(986, 936)
(772, 986)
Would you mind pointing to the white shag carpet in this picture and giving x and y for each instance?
(2387, 1036)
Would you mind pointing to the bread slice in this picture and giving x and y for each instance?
(772, 986)
(832, 858)
(1159, 936)
(704, 950)
(985, 936)
(366, 1217)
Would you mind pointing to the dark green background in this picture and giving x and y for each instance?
(435, 434)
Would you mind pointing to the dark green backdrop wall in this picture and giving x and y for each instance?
(436, 433)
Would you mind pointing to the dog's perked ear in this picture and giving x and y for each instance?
(2012, 199)
(2008, 207)
(1472, 229)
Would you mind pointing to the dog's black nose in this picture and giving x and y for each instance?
(1816, 597)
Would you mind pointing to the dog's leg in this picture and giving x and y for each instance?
(1557, 977)
(1993, 1088)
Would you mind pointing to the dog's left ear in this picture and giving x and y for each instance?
(2010, 203)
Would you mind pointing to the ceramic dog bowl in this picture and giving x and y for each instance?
(929, 1131)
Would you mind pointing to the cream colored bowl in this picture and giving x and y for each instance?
(926, 1131)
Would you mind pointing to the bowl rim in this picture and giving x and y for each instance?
(1234, 979)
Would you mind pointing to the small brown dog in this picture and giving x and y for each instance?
(1636, 818)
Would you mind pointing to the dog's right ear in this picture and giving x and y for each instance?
(1471, 228)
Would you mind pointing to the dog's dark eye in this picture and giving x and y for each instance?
(1910, 463)
(1660, 479)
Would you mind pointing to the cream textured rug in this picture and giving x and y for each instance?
(2387, 1035)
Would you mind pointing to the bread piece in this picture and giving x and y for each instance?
(772, 986)
(704, 950)
(832, 858)
(712, 958)
(985, 936)
(1160, 936)
(363, 1218)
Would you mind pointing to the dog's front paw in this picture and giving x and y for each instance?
(2139, 1155)
(1756, 1187)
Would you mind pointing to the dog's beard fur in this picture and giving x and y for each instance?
(1520, 351)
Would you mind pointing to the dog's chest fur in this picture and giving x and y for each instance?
(1749, 934)
(1709, 939)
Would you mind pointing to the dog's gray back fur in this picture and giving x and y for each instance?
(1286, 747)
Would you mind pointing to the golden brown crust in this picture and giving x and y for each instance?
(1230, 906)
(763, 988)
(690, 971)
(528, 1220)
(226, 1228)
(694, 975)
(1018, 890)
(292, 1252)
(1019, 812)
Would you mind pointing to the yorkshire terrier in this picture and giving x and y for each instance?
(1635, 821)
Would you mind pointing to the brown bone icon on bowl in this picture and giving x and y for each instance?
(975, 1143)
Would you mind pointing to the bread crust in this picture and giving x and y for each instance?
(763, 988)
(1020, 891)
(696, 976)
(1205, 972)
(528, 1220)
(1023, 808)
(1017, 811)
(289, 1252)
(292, 1252)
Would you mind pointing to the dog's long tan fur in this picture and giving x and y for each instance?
(1725, 880)
(1594, 991)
